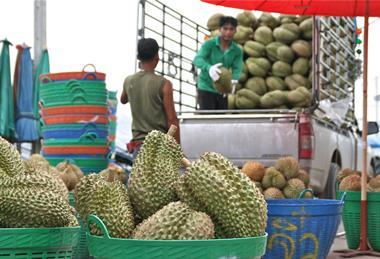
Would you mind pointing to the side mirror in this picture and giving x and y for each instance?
(373, 128)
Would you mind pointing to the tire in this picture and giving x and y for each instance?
(329, 192)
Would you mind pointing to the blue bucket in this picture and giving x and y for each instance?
(302, 228)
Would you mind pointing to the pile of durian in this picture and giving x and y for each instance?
(32, 193)
(350, 180)
(212, 199)
(284, 180)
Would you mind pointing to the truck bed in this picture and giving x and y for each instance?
(250, 135)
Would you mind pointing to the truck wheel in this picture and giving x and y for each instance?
(329, 192)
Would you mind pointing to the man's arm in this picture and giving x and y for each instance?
(201, 60)
(124, 96)
(237, 65)
(171, 116)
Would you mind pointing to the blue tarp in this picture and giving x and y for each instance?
(26, 127)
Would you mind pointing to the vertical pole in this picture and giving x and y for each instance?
(363, 214)
(39, 44)
(376, 100)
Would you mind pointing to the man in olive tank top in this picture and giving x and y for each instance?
(150, 96)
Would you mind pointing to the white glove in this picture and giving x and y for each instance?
(234, 83)
(214, 72)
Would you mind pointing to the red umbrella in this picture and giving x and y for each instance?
(307, 7)
(364, 8)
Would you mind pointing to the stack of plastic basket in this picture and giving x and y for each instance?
(75, 118)
(112, 105)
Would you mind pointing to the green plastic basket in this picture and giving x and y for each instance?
(81, 162)
(81, 249)
(351, 218)
(76, 142)
(72, 85)
(108, 247)
(33, 243)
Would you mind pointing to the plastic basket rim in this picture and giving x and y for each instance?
(39, 230)
(277, 201)
(209, 241)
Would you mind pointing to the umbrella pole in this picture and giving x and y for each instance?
(363, 205)
(363, 249)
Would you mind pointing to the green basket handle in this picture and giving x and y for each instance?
(45, 79)
(80, 98)
(72, 83)
(89, 136)
(77, 91)
(302, 194)
(343, 198)
(97, 221)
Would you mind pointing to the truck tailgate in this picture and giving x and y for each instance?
(240, 137)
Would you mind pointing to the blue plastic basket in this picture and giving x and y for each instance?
(302, 228)
(73, 133)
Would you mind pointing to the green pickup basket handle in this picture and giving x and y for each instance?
(79, 98)
(89, 65)
(89, 135)
(98, 222)
(302, 194)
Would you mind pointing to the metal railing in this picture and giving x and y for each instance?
(179, 39)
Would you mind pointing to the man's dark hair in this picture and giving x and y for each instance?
(224, 20)
(147, 49)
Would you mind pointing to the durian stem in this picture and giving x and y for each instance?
(172, 130)
(186, 162)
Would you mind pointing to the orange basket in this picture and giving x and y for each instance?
(68, 119)
(83, 75)
(75, 150)
(75, 109)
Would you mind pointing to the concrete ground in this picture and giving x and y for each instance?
(340, 243)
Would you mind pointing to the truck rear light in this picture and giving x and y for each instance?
(306, 137)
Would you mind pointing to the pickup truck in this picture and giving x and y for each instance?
(321, 146)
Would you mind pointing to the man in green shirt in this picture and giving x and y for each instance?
(214, 53)
(150, 97)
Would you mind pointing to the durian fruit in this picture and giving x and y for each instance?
(288, 166)
(350, 183)
(151, 184)
(246, 18)
(259, 186)
(176, 221)
(34, 169)
(70, 174)
(294, 188)
(255, 171)
(38, 158)
(273, 193)
(230, 198)
(29, 199)
(304, 177)
(119, 173)
(10, 160)
(374, 184)
(107, 198)
(344, 173)
(273, 178)
(213, 21)
(223, 84)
